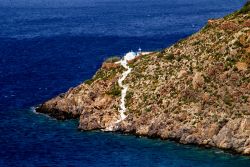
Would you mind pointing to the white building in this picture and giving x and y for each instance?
(130, 55)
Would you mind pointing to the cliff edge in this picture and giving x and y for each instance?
(195, 92)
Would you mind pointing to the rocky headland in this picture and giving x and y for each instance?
(195, 92)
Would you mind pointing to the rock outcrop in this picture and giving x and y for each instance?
(195, 92)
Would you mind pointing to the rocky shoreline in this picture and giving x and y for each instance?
(194, 92)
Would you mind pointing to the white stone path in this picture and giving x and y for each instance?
(122, 110)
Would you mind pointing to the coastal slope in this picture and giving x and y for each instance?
(195, 92)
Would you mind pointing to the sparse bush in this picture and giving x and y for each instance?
(228, 100)
(105, 74)
(148, 109)
(129, 95)
(206, 27)
(197, 42)
(238, 44)
(245, 9)
(170, 56)
(88, 81)
(160, 54)
(112, 59)
(115, 90)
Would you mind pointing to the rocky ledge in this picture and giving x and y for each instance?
(195, 92)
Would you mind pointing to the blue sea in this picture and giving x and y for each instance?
(46, 47)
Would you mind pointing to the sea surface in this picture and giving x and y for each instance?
(46, 48)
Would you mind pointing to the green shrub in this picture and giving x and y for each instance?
(206, 27)
(170, 56)
(245, 9)
(115, 90)
(129, 95)
(238, 44)
(148, 109)
(197, 42)
(228, 100)
(88, 81)
(160, 54)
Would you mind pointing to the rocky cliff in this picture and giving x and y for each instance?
(195, 92)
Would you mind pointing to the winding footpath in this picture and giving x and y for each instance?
(122, 109)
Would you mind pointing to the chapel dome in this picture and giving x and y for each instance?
(130, 55)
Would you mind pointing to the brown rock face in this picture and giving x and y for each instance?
(234, 135)
(242, 66)
(195, 92)
(198, 81)
(109, 65)
(59, 108)
(96, 104)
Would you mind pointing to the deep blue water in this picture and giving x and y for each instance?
(46, 48)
